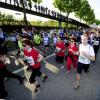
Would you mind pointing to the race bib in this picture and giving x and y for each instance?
(96, 42)
(81, 58)
(45, 42)
(30, 60)
(57, 49)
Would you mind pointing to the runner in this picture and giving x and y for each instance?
(66, 39)
(60, 52)
(54, 40)
(5, 73)
(37, 39)
(72, 57)
(34, 59)
(86, 53)
(46, 41)
(96, 44)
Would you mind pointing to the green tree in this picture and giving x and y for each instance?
(67, 6)
(2, 18)
(97, 21)
(23, 2)
(85, 12)
(9, 19)
(37, 1)
(30, 2)
(59, 4)
(90, 18)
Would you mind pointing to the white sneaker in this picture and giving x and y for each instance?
(16, 63)
(7, 61)
(62, 67)
(68, 72)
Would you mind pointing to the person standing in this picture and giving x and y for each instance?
(86, 53)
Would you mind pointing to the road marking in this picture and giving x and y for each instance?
(48, 65)
(21, 69)
(52, 67)
(49, 56)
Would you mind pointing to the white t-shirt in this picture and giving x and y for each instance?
(55, 40)
(1, 35)
(13, 38)
(46, 40)
(88, 49)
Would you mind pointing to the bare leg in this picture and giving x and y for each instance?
(77, 81)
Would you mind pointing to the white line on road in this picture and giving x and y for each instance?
(21, 69)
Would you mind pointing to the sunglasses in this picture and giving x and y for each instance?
(71, 41)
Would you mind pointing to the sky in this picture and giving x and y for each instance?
(95, 4)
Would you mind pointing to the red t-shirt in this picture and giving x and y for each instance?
(74, 48)
(61, 45)
(2, 64)
(32, 57)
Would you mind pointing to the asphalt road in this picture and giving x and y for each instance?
(59, 85)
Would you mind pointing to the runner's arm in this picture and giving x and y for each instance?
(40, 58)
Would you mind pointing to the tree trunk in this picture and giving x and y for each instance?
(80, 22)
(67, 20)
(60, 26)
(24, 12)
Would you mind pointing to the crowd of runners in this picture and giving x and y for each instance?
(71, 47)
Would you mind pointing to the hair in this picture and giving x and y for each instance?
(2, 51)
(72, 38)
(54, 34)
(28, 42)
(86, 34)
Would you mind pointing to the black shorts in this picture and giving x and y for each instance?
(59, 59)
(47, 45)
(81, 67)
(66, 44)
(35, 72)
